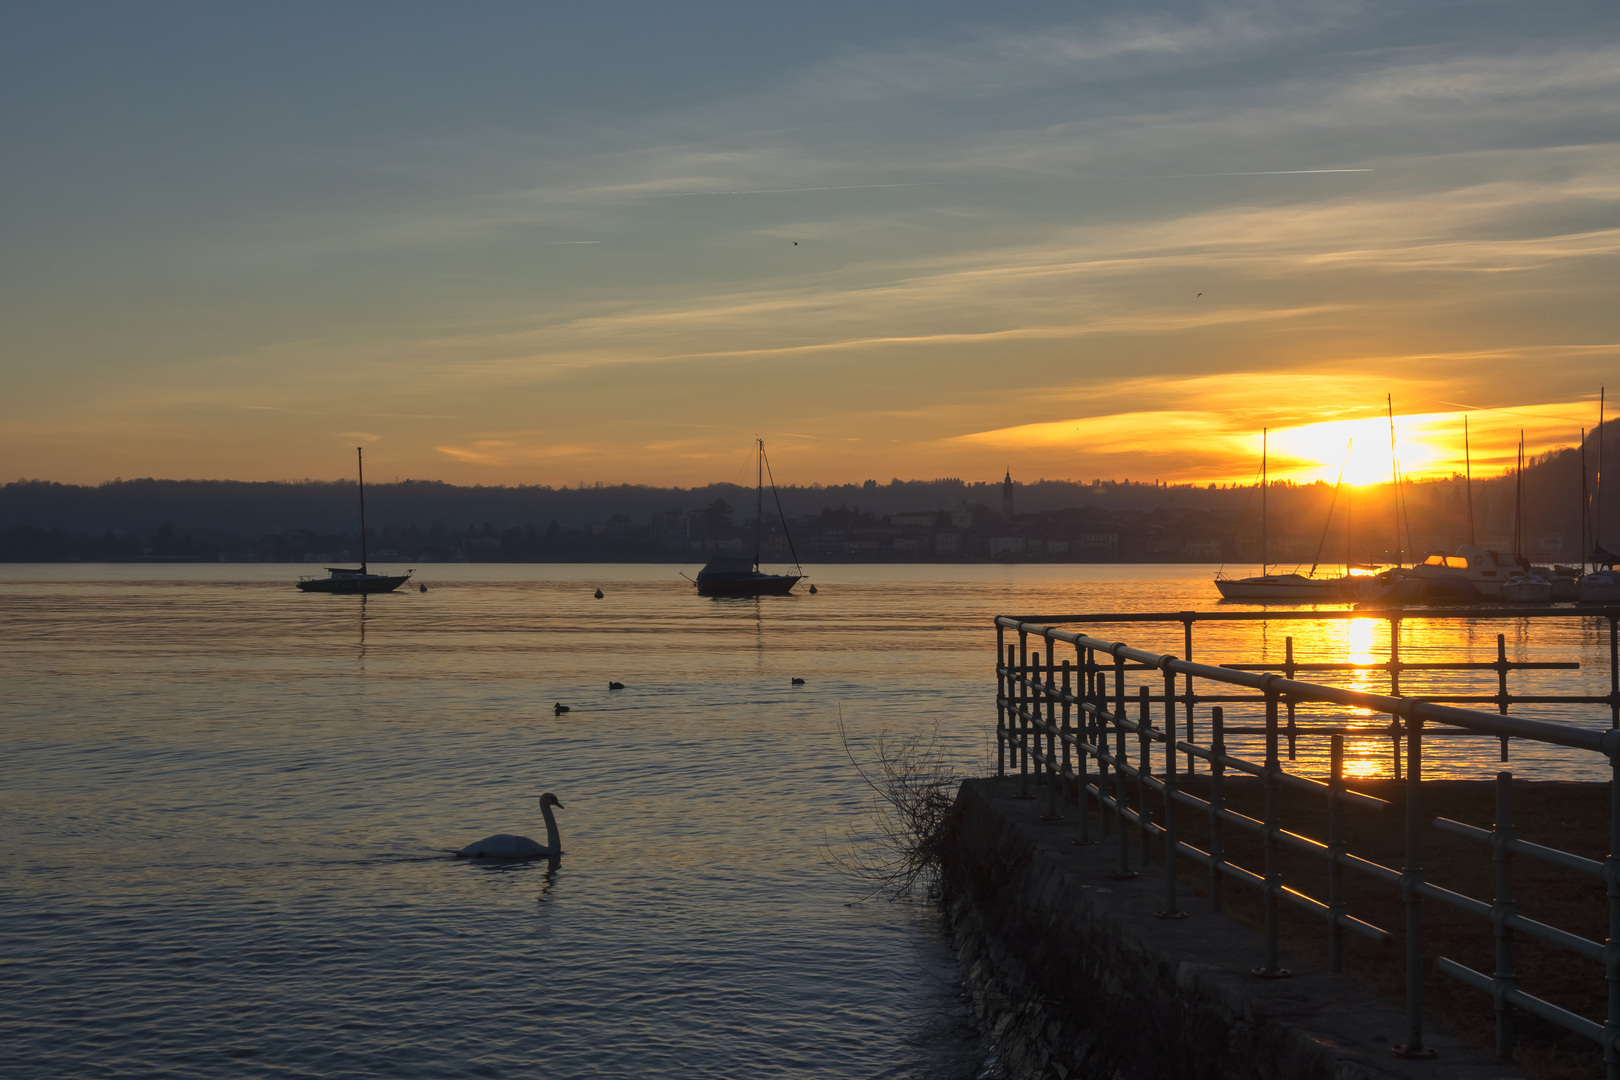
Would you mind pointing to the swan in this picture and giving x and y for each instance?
(507, 846)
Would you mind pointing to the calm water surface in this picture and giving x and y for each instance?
(225, 807)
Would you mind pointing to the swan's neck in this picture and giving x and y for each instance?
(551, 829)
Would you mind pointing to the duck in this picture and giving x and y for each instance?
(615, 686)
(507, 846)
(797, 681)
(560, 708)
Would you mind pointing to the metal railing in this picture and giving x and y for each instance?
(1058, 720)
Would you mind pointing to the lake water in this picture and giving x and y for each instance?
(226, 805)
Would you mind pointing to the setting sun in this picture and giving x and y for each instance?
(1426, 444)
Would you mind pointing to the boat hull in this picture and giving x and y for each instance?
(1527, 590)
(1259, 590)
(752, 584)
(367, 583)
(1600, 587)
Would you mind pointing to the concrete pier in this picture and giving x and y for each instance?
(1071, 975)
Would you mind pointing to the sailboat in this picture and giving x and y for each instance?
(341, 579)
(1600, 584)
(1266, 588)
(732, 575)
(1524, 585)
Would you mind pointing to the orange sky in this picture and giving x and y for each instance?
(911, 243)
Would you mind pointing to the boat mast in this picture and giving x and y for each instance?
(360, 460)
(1264, 484)
(1518, 506)
(1597, 522)
(1468, 477)
(1327, 523)
(759, 499)
(1395, 479)
(1586, 503)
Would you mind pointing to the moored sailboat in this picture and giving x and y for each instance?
(733, 575)
(348, 580)
(1266, 587)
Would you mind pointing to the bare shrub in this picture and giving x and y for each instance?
(908, 814)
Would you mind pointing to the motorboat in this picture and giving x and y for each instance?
(1482, 568)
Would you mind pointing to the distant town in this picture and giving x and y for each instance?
(1556, 518)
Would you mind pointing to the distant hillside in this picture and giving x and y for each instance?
(230, 519)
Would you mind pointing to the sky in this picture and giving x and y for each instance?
(514, 243)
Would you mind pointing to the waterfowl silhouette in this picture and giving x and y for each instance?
(507, 846)
(615, 686)
(560, 708)
(798, 682)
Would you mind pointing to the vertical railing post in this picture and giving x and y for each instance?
(1054, 777)
(1394, 656)
(1336, 849)
(1066, 739)
(1082, 780)
(1144, 769)
(1049, 691)
(1171, 752)
(1217, 803)
(1412, 893)
(1273, 868)
(1003, 666)
(1187, 702)
(1614, 668)
(1501, 674)
(1288, 672)
(1104, 759)
(1503, 905)
(1022, 716)
(1611, 949)
(1124, 871)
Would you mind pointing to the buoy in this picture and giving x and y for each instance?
(421, 588)
(599, 594)
(812, 590)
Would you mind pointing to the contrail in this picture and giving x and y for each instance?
(979, 183)
(796, 190)
(1268, 172)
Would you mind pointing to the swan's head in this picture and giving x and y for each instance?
(548, 799)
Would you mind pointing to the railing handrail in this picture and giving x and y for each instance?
(1604, 742)
(1606, 611)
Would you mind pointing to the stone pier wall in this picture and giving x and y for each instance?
(1071, 975)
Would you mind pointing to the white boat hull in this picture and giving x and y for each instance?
(1272, 587)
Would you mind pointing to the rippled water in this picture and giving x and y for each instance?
(225, 807)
